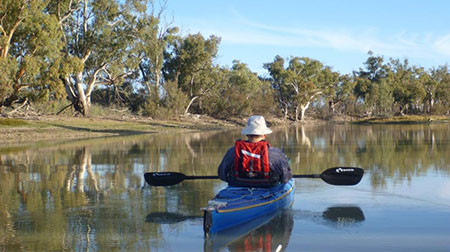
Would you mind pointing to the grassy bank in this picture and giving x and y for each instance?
(407, 119)
(14, 130)
(50, 127)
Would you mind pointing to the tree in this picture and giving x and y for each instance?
(98, 36)
(29, 51)
(438, 89)
(237, 92)
(281, 91)
(304, 80)
(371, 87)
(246, 85)
(407, 86)
(152, 42)
(341, 94)
(188, 62)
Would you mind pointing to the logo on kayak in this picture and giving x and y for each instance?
(339, 170)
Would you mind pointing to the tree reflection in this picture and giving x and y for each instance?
(396, 152)
(90, 195)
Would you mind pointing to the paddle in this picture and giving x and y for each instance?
(333, 176)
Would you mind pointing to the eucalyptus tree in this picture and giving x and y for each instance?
(247, 87)
(340, 94)
(219, 100)
(188, 62)
(304, 80)
(310, 80)
(407, 85)
(438, 89)
(29, 51)
(281, 91)
(371, 86)
(151, 43)
(98, 37)
(238, 92)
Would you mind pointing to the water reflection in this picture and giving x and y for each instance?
(344, 215)
(266, 233)
(87, 195)
(272, 232)
(390, 152)
(334, 217)
(169, 218)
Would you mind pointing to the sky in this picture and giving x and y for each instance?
(338, 33)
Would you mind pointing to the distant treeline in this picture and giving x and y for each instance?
(120, 53)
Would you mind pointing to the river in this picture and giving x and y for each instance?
(90, 195)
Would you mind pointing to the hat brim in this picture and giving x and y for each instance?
(252, 131)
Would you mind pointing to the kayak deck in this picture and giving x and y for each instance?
(236, 205)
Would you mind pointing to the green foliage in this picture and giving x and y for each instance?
(175, 100)
(173, 103)
(302, 82)
(12, 122)
(237, 92)
(189, 61)
(9, 68)
(30, 45)
(122, 54)
(263, 102)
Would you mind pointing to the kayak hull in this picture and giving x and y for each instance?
(234, 206)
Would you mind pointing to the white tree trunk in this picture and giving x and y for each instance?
(82, 98)
(303, 109)
(189, 105)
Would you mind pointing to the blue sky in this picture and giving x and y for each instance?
(338, 33)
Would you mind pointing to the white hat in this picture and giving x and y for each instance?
(256, 125)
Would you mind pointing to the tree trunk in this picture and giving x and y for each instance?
(83, 101)
(157, 79)
(332, 105)
(285, 111)
(76, 94)
(189, 105)
(303, 109)
(296, 113)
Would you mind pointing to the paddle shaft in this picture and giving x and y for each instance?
(201, 177)
(216, 177)
(306, 176)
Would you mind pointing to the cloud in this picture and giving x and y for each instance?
(238, 30)
(238, 33)
(343, 39)
(442, 45)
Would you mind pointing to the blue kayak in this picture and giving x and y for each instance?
(234, 206)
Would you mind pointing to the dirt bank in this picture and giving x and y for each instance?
(17, 130)
(51, 127)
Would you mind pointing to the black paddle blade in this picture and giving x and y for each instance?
(342, 175)
(163, 178)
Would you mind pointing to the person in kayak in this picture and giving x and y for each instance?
(254, 162)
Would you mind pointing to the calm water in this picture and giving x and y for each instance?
(90, 195)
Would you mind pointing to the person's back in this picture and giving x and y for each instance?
(254, 163)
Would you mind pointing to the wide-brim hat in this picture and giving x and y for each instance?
(256, 125)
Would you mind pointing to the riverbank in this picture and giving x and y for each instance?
(405, 120)
(51, 127)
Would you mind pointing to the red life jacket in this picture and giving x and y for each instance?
(251, 162)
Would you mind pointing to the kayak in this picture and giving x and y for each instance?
(234, 206)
